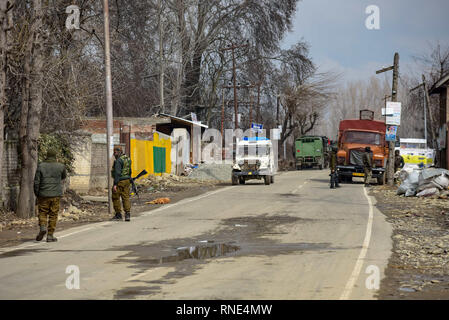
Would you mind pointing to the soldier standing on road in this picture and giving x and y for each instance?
(367, 165)
(48, 190)
(121, 172)
(333, 167)
(398, 161)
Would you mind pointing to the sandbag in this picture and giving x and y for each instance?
(441, 182)
(411, 183)
(428, 192)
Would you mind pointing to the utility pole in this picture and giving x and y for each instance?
(109, 120)
(258, 103)
(232, 47)
(394, 95)
(426, 103)
(278, 97)
(235, 87)
(161, 57)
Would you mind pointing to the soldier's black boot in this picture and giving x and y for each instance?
(332, 181)
(51, 238)
(42, 233)
(127, 216)
(117, 217)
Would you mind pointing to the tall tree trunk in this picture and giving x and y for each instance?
(3, 62)
(30, 117)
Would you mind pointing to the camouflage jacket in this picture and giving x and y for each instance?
(48, 178)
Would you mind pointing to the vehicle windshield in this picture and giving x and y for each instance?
(253, 150)
(309, 140)
(362, 137)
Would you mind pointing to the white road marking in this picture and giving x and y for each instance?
(358, 266)
(79, 231)
(185, 201)
(108, 222)
(305, 182)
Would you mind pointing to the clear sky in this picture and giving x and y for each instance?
(339, 39)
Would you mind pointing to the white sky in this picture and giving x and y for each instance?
(339, 39)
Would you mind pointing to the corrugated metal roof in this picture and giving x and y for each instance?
(183, 120)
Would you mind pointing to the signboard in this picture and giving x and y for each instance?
(276, 134)
(393, 113)
(387, 112)
(390, 135)
(256, 127)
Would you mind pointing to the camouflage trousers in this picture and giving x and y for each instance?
(48, 213)
(368, 175)
(122, 192)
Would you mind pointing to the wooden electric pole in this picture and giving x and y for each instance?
(394, 97)
(109, 120)
(234, 76)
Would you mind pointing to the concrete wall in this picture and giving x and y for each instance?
(98, 177)
(80, 180)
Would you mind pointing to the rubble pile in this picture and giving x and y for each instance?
(430, 182)
(165, 182)
(212, 172)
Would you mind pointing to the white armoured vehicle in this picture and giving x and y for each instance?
(254, 159)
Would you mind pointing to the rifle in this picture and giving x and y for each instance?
(133, 185)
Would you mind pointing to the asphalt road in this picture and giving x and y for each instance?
(294, 239)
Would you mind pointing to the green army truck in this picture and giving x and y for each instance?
(312, 151)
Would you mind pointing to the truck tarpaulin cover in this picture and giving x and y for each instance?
(363, 125)
(356, 157)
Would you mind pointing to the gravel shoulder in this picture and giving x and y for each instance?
(419, 265)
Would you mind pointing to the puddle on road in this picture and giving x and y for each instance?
(249, 236)
(200, 252)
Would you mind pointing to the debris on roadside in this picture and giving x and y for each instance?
(431, 182)
(159, 201)
(212, 172)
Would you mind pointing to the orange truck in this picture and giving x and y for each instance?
(353, 137)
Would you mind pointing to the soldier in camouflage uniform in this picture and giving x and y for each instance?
(398, 161)
(48, 190)
(121, 172)
(367, 165)
(333, 167)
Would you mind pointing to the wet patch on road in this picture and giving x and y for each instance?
(19, 252)
(235, 237)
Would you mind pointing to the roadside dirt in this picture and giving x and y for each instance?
(76, 211)
(419, 265)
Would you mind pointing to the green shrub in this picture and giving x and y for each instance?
(61, 145)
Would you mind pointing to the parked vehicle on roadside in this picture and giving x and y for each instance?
(254, 159)
(353, 137)
(312, 151)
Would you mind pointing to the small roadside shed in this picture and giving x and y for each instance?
(441, 88)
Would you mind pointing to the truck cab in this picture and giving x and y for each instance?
(254, 159)
(353, 137)
(312, 151)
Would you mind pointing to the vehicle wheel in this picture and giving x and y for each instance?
(235, 180)
(241, 180)
(266, 179)
(271, 179)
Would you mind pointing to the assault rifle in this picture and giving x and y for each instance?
(133, 185)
